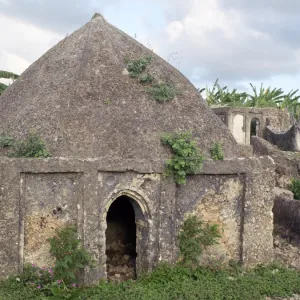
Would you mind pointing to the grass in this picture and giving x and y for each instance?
(179, 283)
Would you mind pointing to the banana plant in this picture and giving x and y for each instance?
(6, 75)
(264, 97)
(2, 87)
(290, 102)
(223, 97)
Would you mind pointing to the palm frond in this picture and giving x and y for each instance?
(8, 75)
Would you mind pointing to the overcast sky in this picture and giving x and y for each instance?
(237, 41)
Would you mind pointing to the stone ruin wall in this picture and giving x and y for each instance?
(238, 120)
(287, 164)
(39, 195)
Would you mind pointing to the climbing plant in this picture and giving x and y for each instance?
(137, 67)
(186, 158)
(146, 78)
(295, 188)
(217, 152)
(162, 92)
(159, 91)
(32, 146)
(194, 237)
(6, 141)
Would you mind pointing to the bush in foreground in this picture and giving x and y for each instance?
(169, 282)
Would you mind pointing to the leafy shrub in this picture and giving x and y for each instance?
(146, 78)
(35, 276)
(70, 257)
(295, 188)
(32, 146)
(186, 158)
(169, 282)
(162, 92)
(217, 152)
(137, 67)
(194, 237)
(65, 293)
(6, 141)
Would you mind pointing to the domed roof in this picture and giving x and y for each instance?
(81, 100)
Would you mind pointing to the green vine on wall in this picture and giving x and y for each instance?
(195, 235)
(295, 188)
(31, 146)
(137, 67)
(6, 141)
(159, 91)
(186, 158)
(162, 92)
(217, 152)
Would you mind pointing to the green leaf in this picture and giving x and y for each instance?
(56, 291)
(8, 75)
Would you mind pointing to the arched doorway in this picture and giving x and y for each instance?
(254, 127)
(121, 245)
(238, 129)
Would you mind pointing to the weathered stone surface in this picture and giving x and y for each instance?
(104, 132)
(50, 201)
(288, 140)
(287, 246)
(287, 212)
(282, 193)
(77, 98)
(287, 163)
(219, 200)
(236, 193)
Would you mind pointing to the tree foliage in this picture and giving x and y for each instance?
(258, 97)
(6, 75)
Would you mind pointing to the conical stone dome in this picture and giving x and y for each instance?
(80, 100)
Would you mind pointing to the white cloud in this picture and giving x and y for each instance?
(25, 40)
(12, 63)
(174, 30)
(22, 44)
(235, 40)
(218, 42)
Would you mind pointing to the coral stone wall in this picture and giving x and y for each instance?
(39, 195)
(219, 200)
(51, 201)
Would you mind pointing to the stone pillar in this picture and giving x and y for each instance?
(167, 217)
(257, 234)
(9, 218)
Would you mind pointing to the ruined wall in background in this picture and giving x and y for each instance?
(287, 163)
(233, 116)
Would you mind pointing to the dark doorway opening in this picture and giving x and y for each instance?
(254, 129)
(121, 240)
